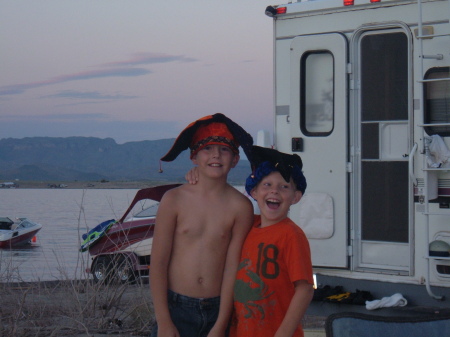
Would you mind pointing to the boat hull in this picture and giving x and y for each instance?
(20, 239)
(126, 236)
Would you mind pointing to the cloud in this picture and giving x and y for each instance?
(86, 75)
(88, 95)
(72, 117)
(51, 117)
(125, 68)
(150, 58)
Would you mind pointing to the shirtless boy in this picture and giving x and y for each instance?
(199, 233)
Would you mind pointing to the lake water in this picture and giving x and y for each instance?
(65, 215)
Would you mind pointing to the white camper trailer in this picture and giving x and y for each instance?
(362, 94)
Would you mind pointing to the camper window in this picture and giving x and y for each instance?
(317, 93)
(437, 101)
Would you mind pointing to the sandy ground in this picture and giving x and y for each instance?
(75, 308)
(82, 308)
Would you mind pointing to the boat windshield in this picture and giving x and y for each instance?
(148, 212)
(26, 224)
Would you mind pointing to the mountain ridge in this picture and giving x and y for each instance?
(91, 158)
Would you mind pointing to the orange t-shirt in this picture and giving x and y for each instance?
(272, 259)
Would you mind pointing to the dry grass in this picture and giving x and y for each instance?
(70, 308)
(82, 308)
(71, 305)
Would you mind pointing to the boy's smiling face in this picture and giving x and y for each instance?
(215, 159)
(274, 196)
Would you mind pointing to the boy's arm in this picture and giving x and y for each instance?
(297, 308)
(160, 258)
(240, 230)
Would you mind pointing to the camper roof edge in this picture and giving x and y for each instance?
(302, 6)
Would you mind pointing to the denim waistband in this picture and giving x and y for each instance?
(191, 301)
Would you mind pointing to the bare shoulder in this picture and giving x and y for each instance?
(174, 197)
(175, 193)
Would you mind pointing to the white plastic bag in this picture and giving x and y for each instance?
(438, 154)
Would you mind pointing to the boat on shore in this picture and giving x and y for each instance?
(17, 233)
(121, 249)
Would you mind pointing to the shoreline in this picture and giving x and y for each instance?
(87, 184)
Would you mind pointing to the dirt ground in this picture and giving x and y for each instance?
(82, 309)
(75, 308)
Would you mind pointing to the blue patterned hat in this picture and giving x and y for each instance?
(265, 161)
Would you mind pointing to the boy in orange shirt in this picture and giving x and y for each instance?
(199, 234)
(274, 283)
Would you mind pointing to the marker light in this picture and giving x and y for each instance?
(375, 0)
(272, 11)
(349, 2)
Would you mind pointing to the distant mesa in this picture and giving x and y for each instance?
(90, 159)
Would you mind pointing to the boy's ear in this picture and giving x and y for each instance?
(253, 193)
(235, 160)
(194, 159)
(298, 196)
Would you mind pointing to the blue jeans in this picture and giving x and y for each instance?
(193, 317)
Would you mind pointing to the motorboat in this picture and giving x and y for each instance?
(17, 233)
(121, 249)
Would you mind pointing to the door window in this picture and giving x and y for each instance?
(317, 96)
(384, 62)
(437, 101)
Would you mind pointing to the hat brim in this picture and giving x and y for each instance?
(184, 139)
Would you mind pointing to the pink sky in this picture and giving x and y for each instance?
(132, 70)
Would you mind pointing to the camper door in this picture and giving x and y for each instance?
(318, 127)
(381, 135)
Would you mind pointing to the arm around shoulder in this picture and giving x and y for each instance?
(241, 227)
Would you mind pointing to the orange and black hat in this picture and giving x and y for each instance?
(212, 129)
(213, 134)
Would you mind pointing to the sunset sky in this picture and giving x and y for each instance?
(132, 69)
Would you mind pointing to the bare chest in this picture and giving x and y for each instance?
(206, 219)
(202, 229)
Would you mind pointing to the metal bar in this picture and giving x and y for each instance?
(411, 166)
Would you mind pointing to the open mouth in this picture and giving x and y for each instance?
(215, 165)
(273, 203)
